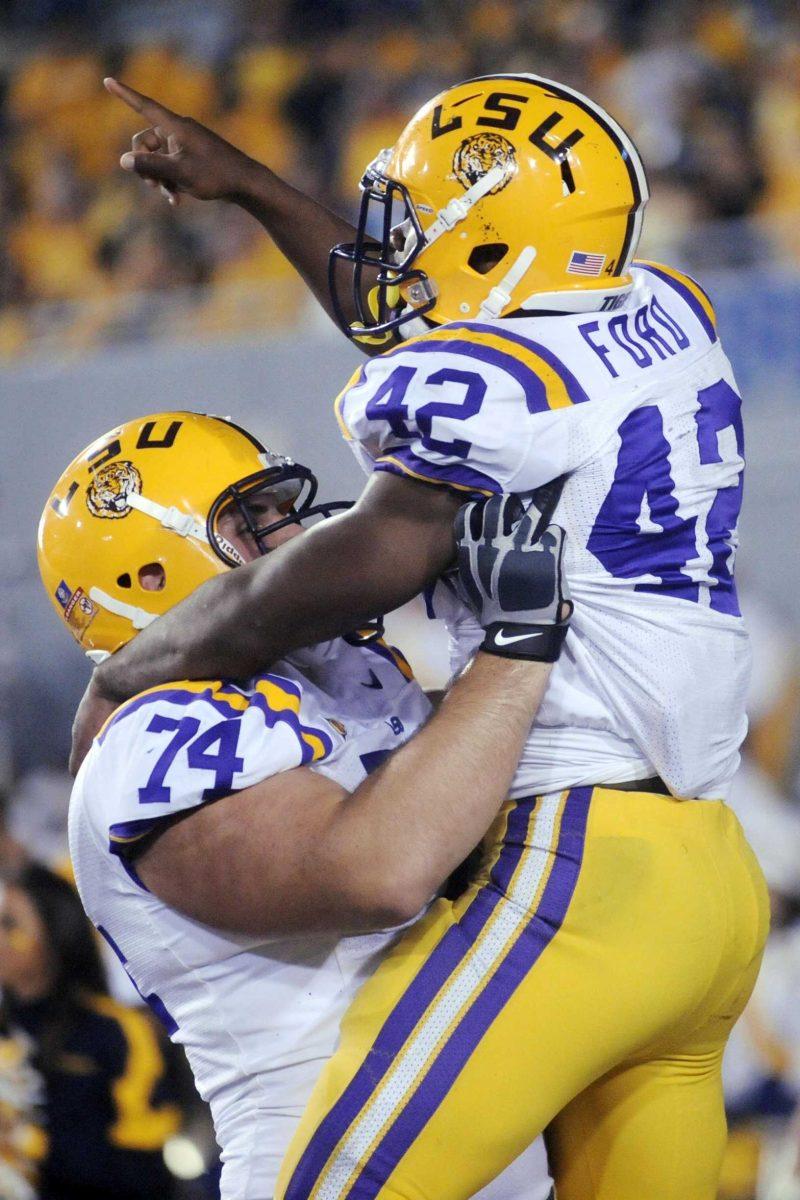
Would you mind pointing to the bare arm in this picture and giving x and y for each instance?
(344, 571)
(295, 853)
(185, 157)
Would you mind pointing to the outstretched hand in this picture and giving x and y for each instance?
(178, 153)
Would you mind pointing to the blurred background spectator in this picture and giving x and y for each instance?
(112, 304)
(107, 1100)
(710, 91)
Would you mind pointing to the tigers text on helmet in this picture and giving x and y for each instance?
(505, 193)
(143, 503)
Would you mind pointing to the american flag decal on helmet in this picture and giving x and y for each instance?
(585, 264)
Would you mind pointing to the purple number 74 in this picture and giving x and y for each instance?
(223, 762)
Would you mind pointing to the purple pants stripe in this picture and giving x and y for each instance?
(450, 1061)
(400, 1023)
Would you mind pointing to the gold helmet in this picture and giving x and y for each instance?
(147, 497)
(505, 193)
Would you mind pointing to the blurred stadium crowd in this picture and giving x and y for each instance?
(710, 90)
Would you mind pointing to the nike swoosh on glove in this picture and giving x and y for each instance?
(512, 577)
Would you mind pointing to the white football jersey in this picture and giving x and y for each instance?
(258, 1017)
(637, 407)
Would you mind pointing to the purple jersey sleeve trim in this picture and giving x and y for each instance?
(401, 460)
(122, 833)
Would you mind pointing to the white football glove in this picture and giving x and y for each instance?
(512, 577)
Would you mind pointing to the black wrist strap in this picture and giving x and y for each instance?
(539, 643)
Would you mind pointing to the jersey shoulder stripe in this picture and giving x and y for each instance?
(561, 387)
(392, 655)
(355, 380)
(546, 382)
(275, 696)
(481, 348)
(228, 703)
(688, 289)
(278, 699)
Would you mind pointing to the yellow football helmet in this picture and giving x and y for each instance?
(504, 194)
(148, 495)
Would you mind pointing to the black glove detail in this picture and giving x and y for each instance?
(512, 579)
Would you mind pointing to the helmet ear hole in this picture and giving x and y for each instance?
(124, 581)
(485, 258)
(152, 577)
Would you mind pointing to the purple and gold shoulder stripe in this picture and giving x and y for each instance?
(277, 699)
(546, 381)
(688, 289)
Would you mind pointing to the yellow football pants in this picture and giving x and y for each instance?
(585, 984)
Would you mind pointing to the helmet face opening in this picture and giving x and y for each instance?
(388, 254)
(288, 489)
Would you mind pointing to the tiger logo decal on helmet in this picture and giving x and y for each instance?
(476, 156)
(107, 494)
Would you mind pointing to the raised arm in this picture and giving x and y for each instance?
(297, 854)
(184, 157)
(395, 541)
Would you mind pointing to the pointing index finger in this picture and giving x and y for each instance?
(154, 112)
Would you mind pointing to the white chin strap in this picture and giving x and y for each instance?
(458, 208)
(500, 295)
(171, 518)
(563, 302)
(139, 618)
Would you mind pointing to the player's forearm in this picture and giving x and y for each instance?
(175, 646)
(239, 623)
(336, 576)
(409, 825)
(302, 228)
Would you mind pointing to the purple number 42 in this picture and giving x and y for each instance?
(675, 554)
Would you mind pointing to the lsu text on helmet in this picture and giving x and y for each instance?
(144, 502)
(505, 193)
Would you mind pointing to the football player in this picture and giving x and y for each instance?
(542, 357)
(226, 834)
